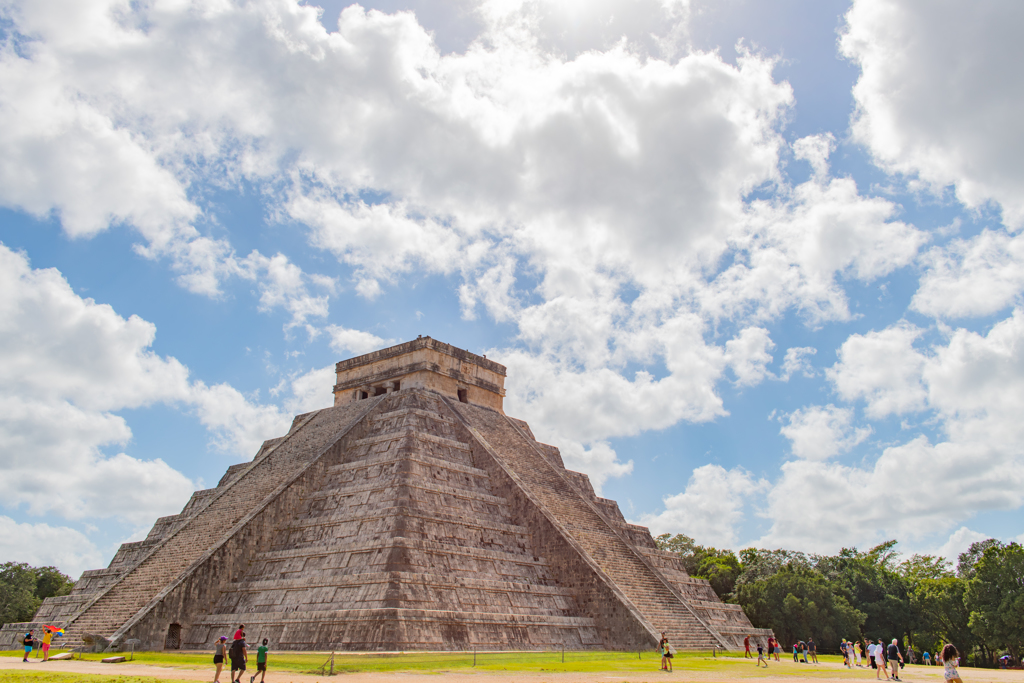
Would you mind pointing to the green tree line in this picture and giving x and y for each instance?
(923, 600)
(23, 588)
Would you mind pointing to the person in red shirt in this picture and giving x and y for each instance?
(746, 647)
(240, 633)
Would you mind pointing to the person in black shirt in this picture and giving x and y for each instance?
(895, 658)
(27, 641)
(239, 655)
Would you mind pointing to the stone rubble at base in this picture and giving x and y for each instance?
(414, 514)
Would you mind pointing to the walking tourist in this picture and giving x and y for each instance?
(926, 658)
(812, 648)
(950, 660)
(895, 659)
(239, 655)
(771, 647)
(218, 656)
(746, 647)
(760, 656)
(880, 661)
(666, 653)
(872, 653)
(844, 649)
(261, 661)
(27, 642)
(47, 636)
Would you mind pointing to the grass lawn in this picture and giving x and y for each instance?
(427, 662)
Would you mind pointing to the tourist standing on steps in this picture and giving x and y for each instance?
(895, 659)
(239, 656)
(746, 647)
(218, 656)
(760, 657)
(27, 642)
(950, 660)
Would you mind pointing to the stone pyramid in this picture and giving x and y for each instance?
(414, 514)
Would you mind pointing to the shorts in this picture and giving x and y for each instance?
(237, 665)
(28, 648)
(771, 649)
(46, 648)
(261, 666)
(218, 659)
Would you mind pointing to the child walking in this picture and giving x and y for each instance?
(760, 656)
(261, 662)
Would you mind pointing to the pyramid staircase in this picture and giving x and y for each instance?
(403, 545)
(659, 603)
(115, 608)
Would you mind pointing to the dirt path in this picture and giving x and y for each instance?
(732, 672)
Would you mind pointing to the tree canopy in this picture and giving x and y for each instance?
(23, 588)
(878, 593)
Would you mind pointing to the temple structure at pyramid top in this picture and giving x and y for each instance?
(424, 363)
(412, 514)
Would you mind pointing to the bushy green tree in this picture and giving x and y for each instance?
(799, 603)
(870, 583)
(995, 596)
(720, 567)
(943, 614)
(968, 559)
(51, 582)
(759, 564)
(18, 601)
(23, 588)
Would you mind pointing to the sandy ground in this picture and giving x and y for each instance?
(737, 672)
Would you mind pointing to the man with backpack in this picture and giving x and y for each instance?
(239, 655)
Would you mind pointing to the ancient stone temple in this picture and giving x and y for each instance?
(414, 514)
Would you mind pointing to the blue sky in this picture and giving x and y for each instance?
(756, 267)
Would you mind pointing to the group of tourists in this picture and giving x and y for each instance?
(238, 654)
(884, 659)
(30, 642)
